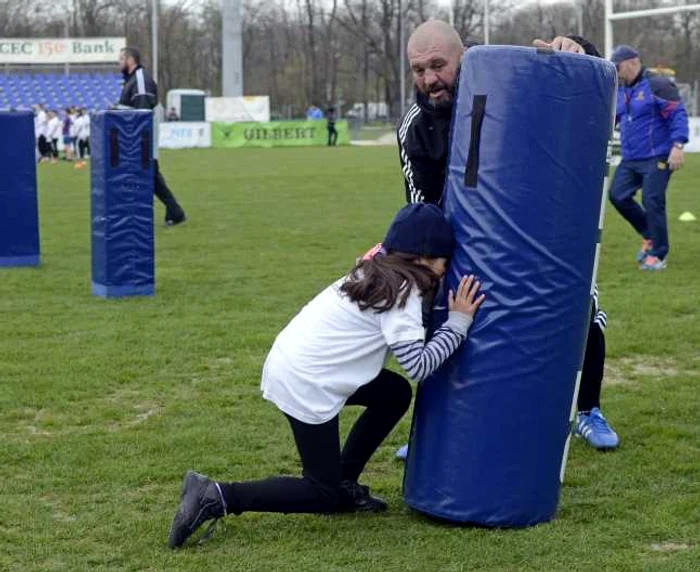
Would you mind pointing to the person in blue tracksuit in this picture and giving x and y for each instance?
(653, 130)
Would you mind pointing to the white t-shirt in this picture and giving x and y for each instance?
(40, 124)
(82, 126)
(54, 128)
(331, 349)
(73, 129)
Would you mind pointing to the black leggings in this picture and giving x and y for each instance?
(593, 369)
(386, 399)
(83, 147)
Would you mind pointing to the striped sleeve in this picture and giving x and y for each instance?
(421, 359)
(600, 318)
(413, 193)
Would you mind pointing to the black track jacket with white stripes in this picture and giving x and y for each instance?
(139, 91)
(423, 136)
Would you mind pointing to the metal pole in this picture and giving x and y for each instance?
(608, 28)
(154, 38)
(231, 49)
(66, 66)
(487, 23)
(402, 58)
(579, 17)
(652, 11)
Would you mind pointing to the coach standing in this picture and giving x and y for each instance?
(653, 130)
(141, 92)
(435, 54)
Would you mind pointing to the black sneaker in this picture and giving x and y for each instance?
(355, 497)
(175, 221)
(200, 500)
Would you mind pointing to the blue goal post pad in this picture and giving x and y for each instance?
(524, 193)
(122, 180)
(19, 211)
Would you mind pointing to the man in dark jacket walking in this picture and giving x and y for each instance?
(435, 55)
(141, 92)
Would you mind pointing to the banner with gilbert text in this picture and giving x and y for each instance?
(276, 134)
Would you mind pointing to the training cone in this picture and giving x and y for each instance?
(687, 216)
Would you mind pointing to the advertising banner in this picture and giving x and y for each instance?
(237, 109)
(184, 135)
(60, 50)
(276, 134)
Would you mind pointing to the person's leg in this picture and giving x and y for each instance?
(173, 211)
(590, 423)
(317, 491)
(330, 136)
(386, 399)
(335, 136)
(626, 183)
(593, 369)
(654, 200)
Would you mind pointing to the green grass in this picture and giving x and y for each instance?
(105, 403)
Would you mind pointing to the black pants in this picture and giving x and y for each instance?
(83, 147)
(54, 148)
(44, 146)
(386, 399)
(593, 369)
(332, 135)
(173, 211)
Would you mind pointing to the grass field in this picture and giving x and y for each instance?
(105, 404)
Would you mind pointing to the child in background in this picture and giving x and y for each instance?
(332, 354)
(54, 128)
(82, 129)
(67, 140)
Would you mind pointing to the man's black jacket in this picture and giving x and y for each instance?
(139, 91)
(423, 137)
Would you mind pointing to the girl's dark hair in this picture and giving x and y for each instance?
(387, 280)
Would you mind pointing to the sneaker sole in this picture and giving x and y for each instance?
(601, 449)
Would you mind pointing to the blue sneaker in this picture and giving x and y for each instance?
(402, 453)
(652, 263)
(594, 428)
(647, 245)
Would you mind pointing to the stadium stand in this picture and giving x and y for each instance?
(89, 90)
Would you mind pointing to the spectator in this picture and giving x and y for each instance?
(172, 115)
(67, 127)
(314, 113)
(653, 130)
(54, 129)
(82, 129)
(332, 131)
(40, 125)
(73, 131)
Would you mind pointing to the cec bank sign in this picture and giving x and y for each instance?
(60, 50)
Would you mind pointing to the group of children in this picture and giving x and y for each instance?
(72, 129)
